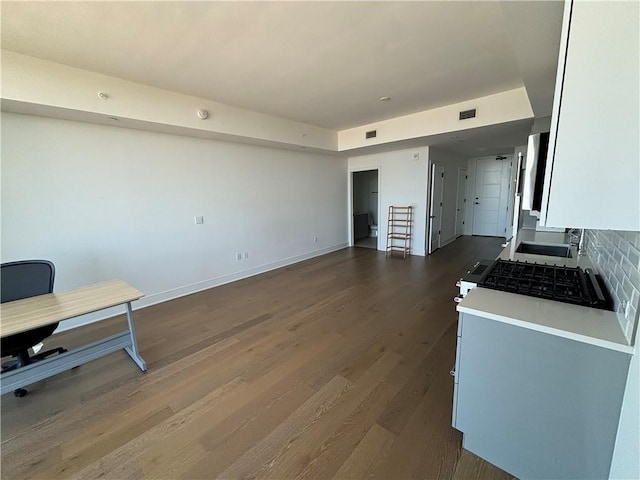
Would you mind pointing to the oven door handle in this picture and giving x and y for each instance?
(594, 283)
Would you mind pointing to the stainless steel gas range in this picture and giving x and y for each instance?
(553, 282)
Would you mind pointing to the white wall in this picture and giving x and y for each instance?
(451, 163)
(105, 202)
(540, 125)
(403, 178)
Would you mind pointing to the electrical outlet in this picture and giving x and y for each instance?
(315, 239)
(238, 256)
(246, 254)
(199, 219)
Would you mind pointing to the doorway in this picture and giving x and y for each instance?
(364, 201)
(491, 196)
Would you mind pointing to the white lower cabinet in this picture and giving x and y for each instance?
(534, 404)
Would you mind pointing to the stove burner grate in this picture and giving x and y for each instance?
(564, 284)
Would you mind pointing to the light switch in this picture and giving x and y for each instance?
(199, 219)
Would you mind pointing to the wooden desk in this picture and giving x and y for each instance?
(29, 313)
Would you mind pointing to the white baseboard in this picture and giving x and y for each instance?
(420, 253)
(174, 293)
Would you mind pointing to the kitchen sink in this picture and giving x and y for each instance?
(531, 248)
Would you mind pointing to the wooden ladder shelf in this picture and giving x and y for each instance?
(399, 230)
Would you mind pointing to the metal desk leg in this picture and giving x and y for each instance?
(133, 349)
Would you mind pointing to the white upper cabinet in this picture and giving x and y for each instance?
(593, 175)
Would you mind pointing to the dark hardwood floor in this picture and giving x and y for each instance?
(337, 367)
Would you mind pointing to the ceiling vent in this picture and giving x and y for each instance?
(467, 114)
(371, 134)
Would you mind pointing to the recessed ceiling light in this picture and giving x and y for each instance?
(385, 99)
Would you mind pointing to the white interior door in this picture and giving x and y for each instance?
(461, 201)
(435, 214)
(486, 205)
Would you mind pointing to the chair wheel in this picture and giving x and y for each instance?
(20, 392)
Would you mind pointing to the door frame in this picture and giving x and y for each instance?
(351, 171)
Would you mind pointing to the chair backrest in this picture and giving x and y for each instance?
(26, 278)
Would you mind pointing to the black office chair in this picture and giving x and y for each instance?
(19, 280)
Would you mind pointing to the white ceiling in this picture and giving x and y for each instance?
(321, 63)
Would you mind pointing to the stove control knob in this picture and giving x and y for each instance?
(457, 299)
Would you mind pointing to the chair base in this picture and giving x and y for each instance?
(22, 359)
(43, 355)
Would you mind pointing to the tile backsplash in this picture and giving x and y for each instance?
(616, 255)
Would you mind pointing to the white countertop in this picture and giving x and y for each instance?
(583, 324)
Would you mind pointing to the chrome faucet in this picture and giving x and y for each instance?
(576, 238)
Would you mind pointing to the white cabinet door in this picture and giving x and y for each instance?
(537, 405)
(593, 180)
